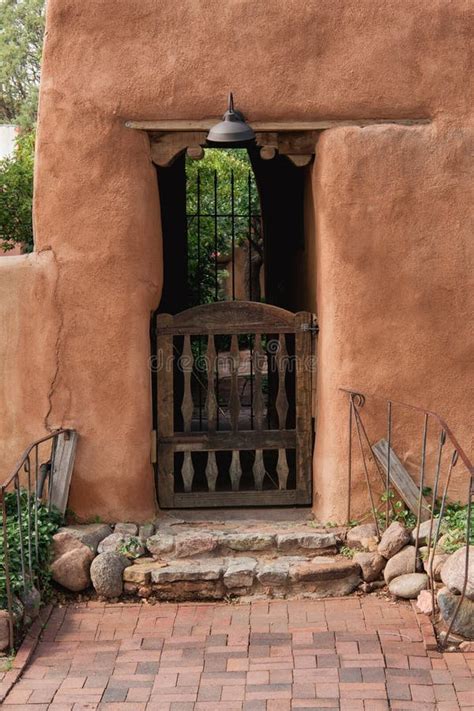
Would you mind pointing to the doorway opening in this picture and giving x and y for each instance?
(232, 399)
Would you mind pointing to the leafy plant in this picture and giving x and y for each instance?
(455, 521)
(21, 43)
(347, 552)
(131, 547)
(33, 537)
(16, 195)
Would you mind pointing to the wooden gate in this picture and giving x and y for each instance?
(234, 426)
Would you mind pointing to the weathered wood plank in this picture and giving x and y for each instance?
(231, 317)
(234, 401)
(237, 498)
(212, 471)
(187, 362)
(282, 469)
(61, 469)
(165, 410)
(211, 400)
(401, 479)
(304, 447)
(221, 441)
(281, 398)
(258, 469)
(272, 126)
(258, 403)
(235, 470)
(187, 472)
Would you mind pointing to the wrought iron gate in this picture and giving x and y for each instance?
(234, 427)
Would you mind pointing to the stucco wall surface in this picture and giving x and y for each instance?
(392, 212)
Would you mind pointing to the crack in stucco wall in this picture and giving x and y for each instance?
(57, 348)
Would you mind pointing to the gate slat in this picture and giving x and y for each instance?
(281, 399)
(187, 361)
(235, 470)
(211, 400)
(282, 469)
(258, 468)
(211, 471)
(234, 401)
(187, 472)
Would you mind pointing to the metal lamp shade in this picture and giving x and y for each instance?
(232, 131)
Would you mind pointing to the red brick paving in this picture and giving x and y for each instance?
(354, 654)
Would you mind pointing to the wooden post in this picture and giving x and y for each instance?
(165, 411)
(303, 387)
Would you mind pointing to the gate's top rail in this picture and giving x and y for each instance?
(227, 318)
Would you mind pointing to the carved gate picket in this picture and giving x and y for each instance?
(234, 427)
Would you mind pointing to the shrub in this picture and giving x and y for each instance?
(48, 524)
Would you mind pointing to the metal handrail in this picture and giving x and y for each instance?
(357, 401)
(28, 549)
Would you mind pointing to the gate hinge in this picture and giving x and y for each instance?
(153, 447)
(311, 327)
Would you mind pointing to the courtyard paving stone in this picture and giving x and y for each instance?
(359, 654)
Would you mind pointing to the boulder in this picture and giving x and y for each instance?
(422, 532)
(424, 602)
(191, 544)
(240, 573)
(439, 559)
(126, 529)
(371, 565)
(453, 572)
(402, 563)
(129, 546)
(408, 586)
(160, 543)
(145, 531)
(4, 630)
(363, 537)
(393, 539)
(91, 534)
(31, 600)
(107, 574)
(464, 621)
(63, 542)
(71, 569)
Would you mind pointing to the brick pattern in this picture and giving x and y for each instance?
(354, 654)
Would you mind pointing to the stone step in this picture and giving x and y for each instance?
(214, 577)
(179, 539)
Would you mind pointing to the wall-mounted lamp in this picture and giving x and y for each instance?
(232, 131)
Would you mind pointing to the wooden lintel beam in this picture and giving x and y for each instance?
(178, 125)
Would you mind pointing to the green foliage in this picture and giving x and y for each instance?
(347, 552)
(131, 548)
(218, 164)
(21, 42)
(48, 524)
(455, 521)
(398, 511)
(16, 195)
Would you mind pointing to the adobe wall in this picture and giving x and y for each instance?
(394, 243)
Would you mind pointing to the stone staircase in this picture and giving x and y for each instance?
(211, 560)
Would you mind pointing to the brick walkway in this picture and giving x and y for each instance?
(355, 654)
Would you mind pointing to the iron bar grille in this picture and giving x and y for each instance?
(224, 233)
